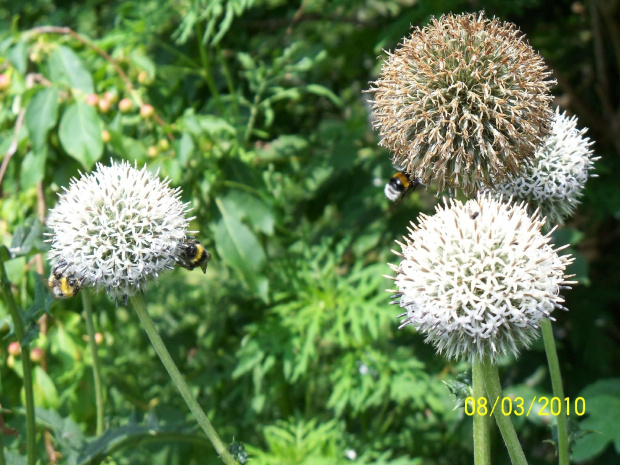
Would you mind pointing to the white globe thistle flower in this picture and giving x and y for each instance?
(477, 278)
(117, 228)
(555, 180)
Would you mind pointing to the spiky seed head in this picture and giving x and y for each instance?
(554, 182)
(462, 102)
(118, 228)
(477, 278)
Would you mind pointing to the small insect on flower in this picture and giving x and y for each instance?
(63, 285)
(400, 185)
(477, 278)
(118, 228)
(193, 254)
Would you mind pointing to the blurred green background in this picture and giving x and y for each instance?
(288, 342)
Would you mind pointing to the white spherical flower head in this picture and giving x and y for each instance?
(555, 180)
(117, 228)
(477, 278)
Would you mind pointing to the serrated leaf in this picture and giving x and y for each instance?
(603, 413)
(41, 115)
(67, 68)
(80, 133)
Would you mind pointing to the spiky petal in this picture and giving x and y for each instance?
(554, 182)
(462, 102)
(477, 278)
(118, 228)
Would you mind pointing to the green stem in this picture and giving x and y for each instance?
(558, 390)
(2, 461)
(26, 364)
(231, 87)
(206, 65)
(482, 439)
(494, 394)
(90, 329)
(159, 346)
(254, 110)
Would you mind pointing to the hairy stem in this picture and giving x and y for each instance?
(558, 390)
(494, 392)
(159, 346)
(90, 329)
(482, 440)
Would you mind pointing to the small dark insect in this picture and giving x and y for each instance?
(400, 185)
(194, 255)
(61, 284)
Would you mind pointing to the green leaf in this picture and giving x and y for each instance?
(246, 206)
(185, 148)
(323, 91)
(45, 392)
(239, 248)
(27, 236)
(41, 115)
(18, 56)
(603, 413)
(80, 133)
(32, 169)
(67, 68)
(13, 459)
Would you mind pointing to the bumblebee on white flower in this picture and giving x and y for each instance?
(477, 278)
(118, 228)
(555, 180)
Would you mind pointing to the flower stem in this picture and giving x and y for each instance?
(558, 390)
(482, 441)
(26, 364)
(494, 392)
(90, 329)
(177, 378)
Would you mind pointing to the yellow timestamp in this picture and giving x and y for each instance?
(546, 406)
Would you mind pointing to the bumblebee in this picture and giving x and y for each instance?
(63, 285)
(399, 185)
(193, 255)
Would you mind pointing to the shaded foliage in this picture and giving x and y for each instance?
(288, 342)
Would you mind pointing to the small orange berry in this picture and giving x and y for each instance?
(37, 354)
(146, 111)
(104, 105)
(92, 99)
(125, 105)
(14, 348)
(5, 81)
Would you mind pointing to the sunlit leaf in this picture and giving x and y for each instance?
(80, 133)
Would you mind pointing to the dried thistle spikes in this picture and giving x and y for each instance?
(464, 101)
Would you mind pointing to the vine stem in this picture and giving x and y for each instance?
(482, 440)
(558, 390)
(138, 303)
(494, 392)
(26, 364)
(90, 329)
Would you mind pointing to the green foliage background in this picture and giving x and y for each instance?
(288, 342)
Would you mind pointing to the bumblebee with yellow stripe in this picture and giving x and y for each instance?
(401, 184)
(63, 285)
(194, 255)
